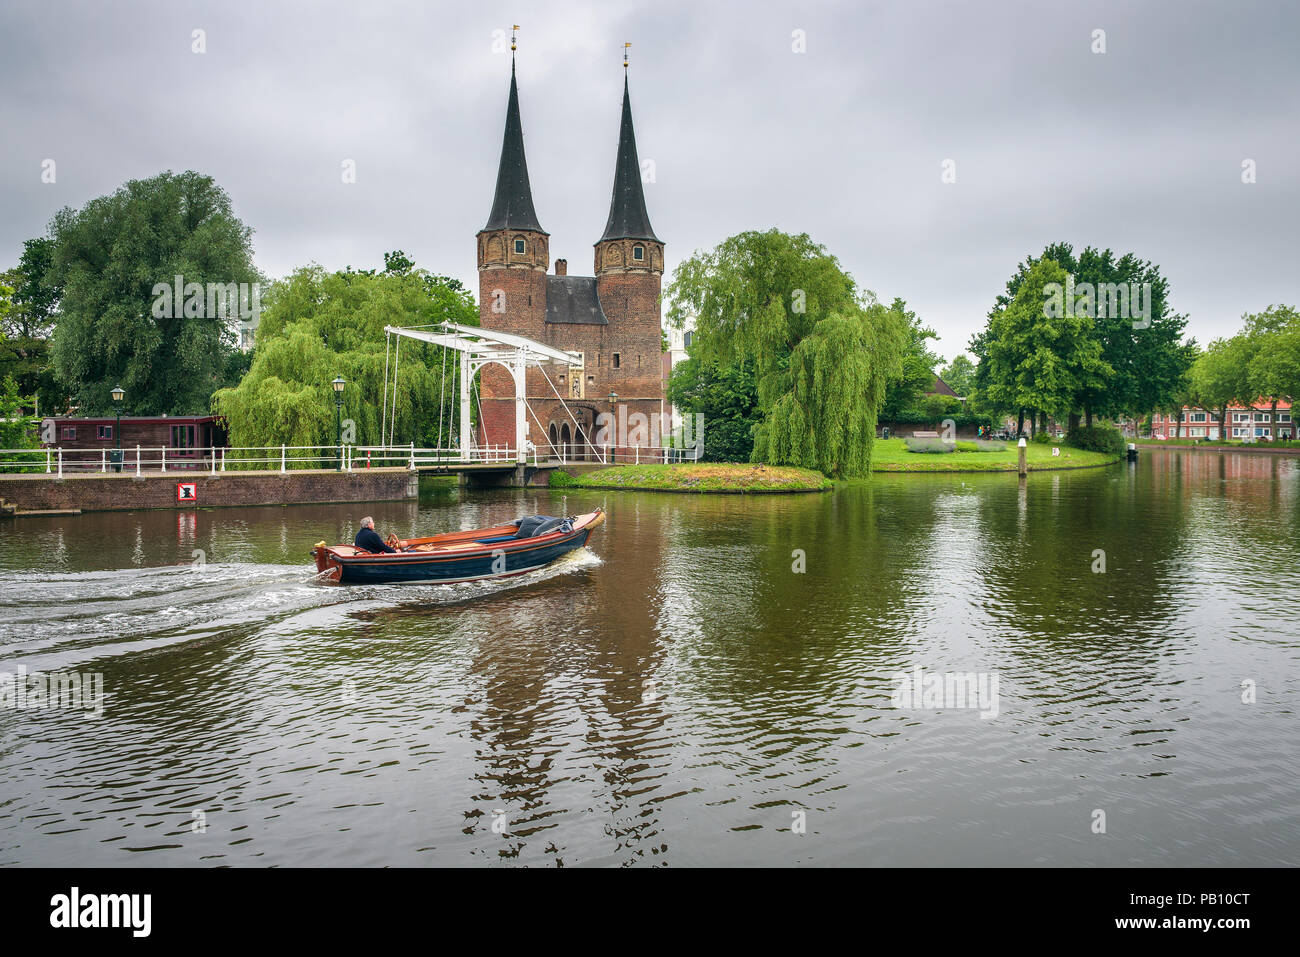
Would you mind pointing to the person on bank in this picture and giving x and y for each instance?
(368, 539)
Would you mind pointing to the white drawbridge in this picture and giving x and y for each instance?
(476, 348)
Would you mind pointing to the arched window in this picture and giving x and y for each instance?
(638, 252)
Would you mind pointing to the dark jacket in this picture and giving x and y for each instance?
(369, 540)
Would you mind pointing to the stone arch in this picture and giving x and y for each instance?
(554, 439)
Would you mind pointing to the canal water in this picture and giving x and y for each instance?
(712, 681)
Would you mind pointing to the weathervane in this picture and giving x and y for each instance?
(625, 46)
(514, 28)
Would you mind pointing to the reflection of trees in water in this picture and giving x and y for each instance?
(1039, 540)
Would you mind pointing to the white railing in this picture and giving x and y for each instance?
(139, 459)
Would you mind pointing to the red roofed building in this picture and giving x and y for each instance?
(1248, 425)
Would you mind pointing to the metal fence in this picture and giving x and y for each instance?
(140, 460)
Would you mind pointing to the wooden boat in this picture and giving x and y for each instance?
(496, 552)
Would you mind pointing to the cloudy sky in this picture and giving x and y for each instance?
(1139, 148)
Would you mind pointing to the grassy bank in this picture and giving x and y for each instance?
(891, 455)
(703, 477)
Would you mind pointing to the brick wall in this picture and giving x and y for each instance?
(92, 493)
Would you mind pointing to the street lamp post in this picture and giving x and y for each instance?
(338, 384)
(118, 394)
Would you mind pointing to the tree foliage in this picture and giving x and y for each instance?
(960, 375)
(28, 302)
(918, 363)
(821, 357)
(1145, 355)
(727, 399)
(1274, 364)
(317, 325)
(1029, 360)
(108, 257)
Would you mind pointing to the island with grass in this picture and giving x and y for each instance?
(697, 477)
(934, 455)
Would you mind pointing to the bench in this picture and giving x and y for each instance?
(925, 435)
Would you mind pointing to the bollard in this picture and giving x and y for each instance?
(1021, 445)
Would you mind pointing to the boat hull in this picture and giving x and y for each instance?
(458, 559)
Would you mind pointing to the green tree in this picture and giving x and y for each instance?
(1274, 369)
(905, 393)
(821, 357)
(317, 325)
(960, 375)
(110, 257)
(17, 429)
(1146, 354)
(1219, 378)
(27, 323)
(1032, 361)
(727, 399)
(825, 405)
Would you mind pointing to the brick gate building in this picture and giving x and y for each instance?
(611, 318)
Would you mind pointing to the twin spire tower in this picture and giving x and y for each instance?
(611, 318)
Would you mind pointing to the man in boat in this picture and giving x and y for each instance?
(368, 539)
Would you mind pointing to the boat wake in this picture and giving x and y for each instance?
(52, 621)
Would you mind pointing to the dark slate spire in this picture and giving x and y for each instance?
(627, 215)
(513, 206)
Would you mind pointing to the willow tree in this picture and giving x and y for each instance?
(317, 325)
(823, 406)
(821, 355)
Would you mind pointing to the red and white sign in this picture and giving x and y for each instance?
(187, 492)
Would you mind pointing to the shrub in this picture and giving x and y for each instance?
(937, 446)
(964, 446)
(561, 479)
(1100, 438)
(987, 445)
(920, 417)
(1041, 437)
(940, 406)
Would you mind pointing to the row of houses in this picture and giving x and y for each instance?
(1253, 424)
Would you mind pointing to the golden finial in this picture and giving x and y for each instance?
(514, 28)
(625, 47)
